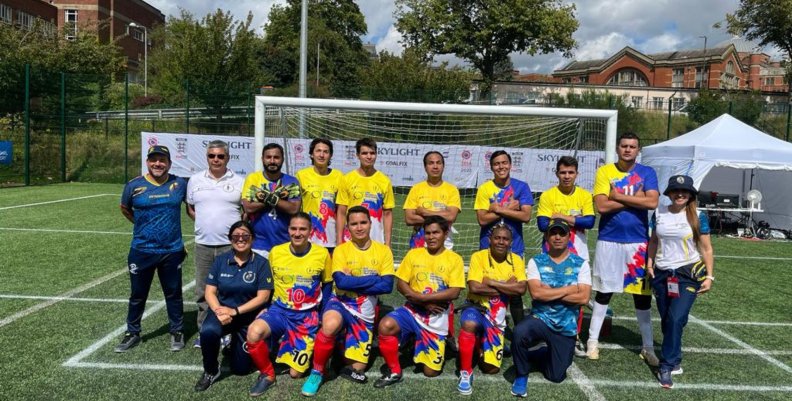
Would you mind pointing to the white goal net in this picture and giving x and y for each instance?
(466, 135)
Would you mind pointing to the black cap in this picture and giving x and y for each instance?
(158, 150)
(560, 224)
(682, 182)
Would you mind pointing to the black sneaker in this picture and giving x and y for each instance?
(387, 379)
(130, 340)
(353, 375)
(261, 385)
(664, 377)
(206, 381)
(177, 341)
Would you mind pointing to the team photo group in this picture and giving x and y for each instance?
(289, 269)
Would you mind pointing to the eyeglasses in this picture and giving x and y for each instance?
(240, 237)
(216, 156)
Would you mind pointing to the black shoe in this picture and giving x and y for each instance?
(387, 380)
(353, 375)
(177, 341)
(129, 341)
(262, 384)
(206, 381)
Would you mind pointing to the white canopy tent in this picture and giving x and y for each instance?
(730, 157)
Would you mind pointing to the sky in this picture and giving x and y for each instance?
(606, 26)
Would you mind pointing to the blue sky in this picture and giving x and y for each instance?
(606, 26)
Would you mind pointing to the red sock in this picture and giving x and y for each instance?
(467, 345)
(451, 320)
(389, 348)
(323, 349)
(259, 353)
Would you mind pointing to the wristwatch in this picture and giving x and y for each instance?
(712, 278)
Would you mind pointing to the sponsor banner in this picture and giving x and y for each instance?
(467, 166)
(6, 152)
(188, 152)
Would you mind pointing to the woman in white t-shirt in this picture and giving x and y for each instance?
(680, 263)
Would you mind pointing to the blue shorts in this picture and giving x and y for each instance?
(429, 346)
(490, 336)
(295, 331)
(358, 333)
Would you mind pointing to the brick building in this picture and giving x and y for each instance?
(111, 17)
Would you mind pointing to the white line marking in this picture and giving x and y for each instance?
(74, 361)
(56, 201)
(696, 350)
(56, 298)
(695, 386)
(750, 257)
(742, 344)
(583, 382)
(68, 294)
(52, 230)
(731, 322)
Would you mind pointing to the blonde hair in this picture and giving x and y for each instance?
(691, 212)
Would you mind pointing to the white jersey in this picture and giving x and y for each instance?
(216, 204)
(676, 247)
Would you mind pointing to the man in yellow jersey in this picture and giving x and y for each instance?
(575, 206)
(319, 186)
(494, 275)
(430, 279)
(370, 188)
(362, 270)
(433, 197)
(298, 270)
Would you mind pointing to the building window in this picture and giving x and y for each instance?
(583, 79)
(769, 81)
(137, 34)
(627, 77)
(677, 103)
(702, 78)
(677, 77)
(657, 102)
(5, 14)
(730, 67)
(71, 24)
(25, 20)
(637, 102)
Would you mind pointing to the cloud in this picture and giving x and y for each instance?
(390, 42)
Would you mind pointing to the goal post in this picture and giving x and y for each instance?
(465, 134)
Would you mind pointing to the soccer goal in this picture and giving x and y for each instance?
(465, 134)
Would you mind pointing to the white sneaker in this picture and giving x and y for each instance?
(677, 370)
(648, 355)
(592, 350)
(580, 349)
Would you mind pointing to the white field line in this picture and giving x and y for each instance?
(56, 201)
(68, 294)
(730, 322)
(52, 230)
(534, 379)
(742, 344)
(584, 383)
(750, 257)
(697, 350)
(74, 361)
(18, 296)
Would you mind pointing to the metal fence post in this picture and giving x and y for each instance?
(789, 120)
(27, 124)
(668, 131)
(63, 127)
(188, 106)
(126, 127)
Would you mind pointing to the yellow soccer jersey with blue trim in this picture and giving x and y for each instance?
(579, 203)
(348, 259)
(319, 201)
(375, 193)
(426, 273)
(483, 265)
(298, 279)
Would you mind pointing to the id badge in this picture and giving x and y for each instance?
(673, 287)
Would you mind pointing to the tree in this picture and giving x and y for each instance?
(767, 21)
(485, 32)
(334, 27)
(410, 78)
(709, 105)
(214, 56)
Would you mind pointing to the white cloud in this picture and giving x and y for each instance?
(390, 42)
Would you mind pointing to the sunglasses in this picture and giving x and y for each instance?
(216, 156)
(240, 237)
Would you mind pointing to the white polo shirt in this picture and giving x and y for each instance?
(217, 205)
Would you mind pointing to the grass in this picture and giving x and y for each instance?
(92, 241)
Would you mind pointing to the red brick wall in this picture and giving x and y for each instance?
(38, 8)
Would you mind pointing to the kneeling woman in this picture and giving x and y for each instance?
(681, 263)
(237, 287)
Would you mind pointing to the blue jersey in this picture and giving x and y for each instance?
(489, 193)
(236, 285)
(157, 213)
(558, 316)
(629, 224)
(271, 225)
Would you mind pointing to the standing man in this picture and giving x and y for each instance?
(270, 197)
(504, 200)
(575, 206)
(213, 201)
(152, 203)
(624, 192)
(559, 282)
(433, 197)
(370, 188)
(319, 186)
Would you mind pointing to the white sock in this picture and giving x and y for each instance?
(597, 318)
(645, 327)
